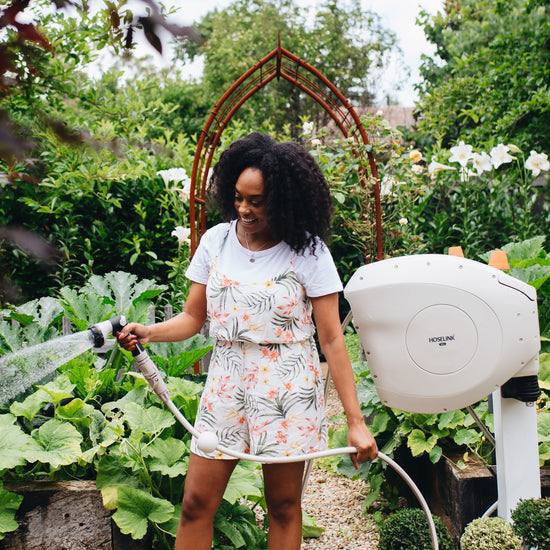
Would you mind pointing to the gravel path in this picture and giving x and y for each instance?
(335, 502)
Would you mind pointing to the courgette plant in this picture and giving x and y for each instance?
(96, 419)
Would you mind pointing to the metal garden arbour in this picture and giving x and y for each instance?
(281, 63)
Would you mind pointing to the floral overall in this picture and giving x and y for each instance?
(264, 393)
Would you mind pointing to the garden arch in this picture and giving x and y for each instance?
(281, 63)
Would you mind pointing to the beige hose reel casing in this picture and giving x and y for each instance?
(442, 332)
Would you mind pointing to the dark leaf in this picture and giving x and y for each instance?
(149, 31)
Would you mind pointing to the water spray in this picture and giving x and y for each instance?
(20, 370)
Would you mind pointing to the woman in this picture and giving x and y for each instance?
(257, 279)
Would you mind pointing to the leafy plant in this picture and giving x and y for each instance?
(531, 522)
(464, 196)
(487, 533)
(486, 77)
(408, 530)
(97, 419)
(9, 504)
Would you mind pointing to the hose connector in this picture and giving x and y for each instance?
(100, 331)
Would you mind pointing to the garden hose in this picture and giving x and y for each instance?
(208, 441)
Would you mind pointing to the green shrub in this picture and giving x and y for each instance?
(532, 522)
(489, 534)
(408, 530)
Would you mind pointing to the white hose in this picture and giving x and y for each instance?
(208, 440)
(311, 456)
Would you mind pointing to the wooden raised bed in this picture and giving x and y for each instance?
(65, 515)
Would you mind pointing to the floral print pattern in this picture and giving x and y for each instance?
(264, 393)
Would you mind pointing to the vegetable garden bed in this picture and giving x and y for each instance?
(65, 515)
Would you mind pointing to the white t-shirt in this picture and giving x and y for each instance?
(315, 271)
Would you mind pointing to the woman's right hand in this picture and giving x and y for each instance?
(131, 333)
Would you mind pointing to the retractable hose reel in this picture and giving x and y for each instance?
(441, 333)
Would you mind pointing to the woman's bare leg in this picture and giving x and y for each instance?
(283, 493)
(204, 488)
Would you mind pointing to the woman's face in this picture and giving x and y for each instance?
(251, 201)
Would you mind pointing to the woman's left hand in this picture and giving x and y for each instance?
(359, 436)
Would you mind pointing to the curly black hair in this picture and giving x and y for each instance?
(299, 204)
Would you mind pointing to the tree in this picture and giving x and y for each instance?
(344, 42)
(492, 79)
(78, 157)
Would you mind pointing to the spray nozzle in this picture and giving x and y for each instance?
(100, 331)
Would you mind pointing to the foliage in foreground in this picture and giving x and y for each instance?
(488, 533)
(531, 522)
(97, 419)
(408, 530)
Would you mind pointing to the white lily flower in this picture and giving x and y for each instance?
(500, 155)
(461, 153)
(537, 162)
(403, 221)
(482, 162)
(308, 128)
(182, 234)
(436, 167)
(415, 156)
(386, 186)
(173, 174)
(185, 191)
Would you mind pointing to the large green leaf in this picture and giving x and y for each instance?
(11, 337)
(310, 528)
(418, 443)
(168, 456)
(111, 476)
(45, 311)
(467, 437)
(178, 357)
(535, 275)
(451, 419)
(53, 391)
(85, 307)
(29, 407)
(380, 423)
(136, 508)
(171, 526)
(544, 453)
(243, 481)
(56, 443)
(524, 250)
(12, 438)
(102, 435)
(150, 421)
(136, 395)
(9, 504)
(182, 387)
(77, 412)
(237, 523)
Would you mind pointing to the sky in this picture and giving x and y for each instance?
(396, 15)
